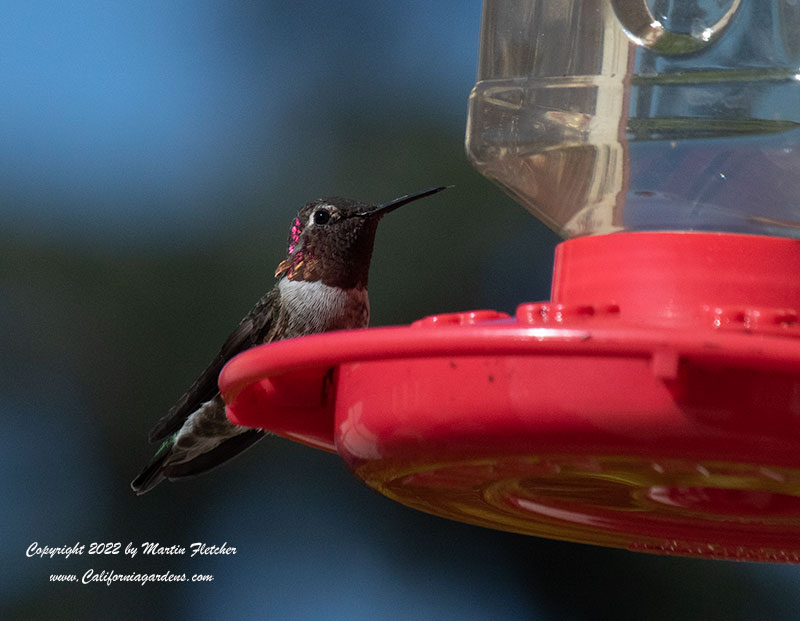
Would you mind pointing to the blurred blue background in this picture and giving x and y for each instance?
(152, 155)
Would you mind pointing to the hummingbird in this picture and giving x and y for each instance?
(321, 286)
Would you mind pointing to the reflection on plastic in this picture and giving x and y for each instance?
(647, 30)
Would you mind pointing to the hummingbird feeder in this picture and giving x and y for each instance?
(653, 403)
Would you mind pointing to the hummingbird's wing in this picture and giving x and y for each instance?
(254, 329)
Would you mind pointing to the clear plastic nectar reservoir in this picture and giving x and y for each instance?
(611, 115)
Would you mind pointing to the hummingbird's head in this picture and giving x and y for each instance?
(331, 239)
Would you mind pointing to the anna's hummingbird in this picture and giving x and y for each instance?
(322, 286)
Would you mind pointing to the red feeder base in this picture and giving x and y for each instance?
(653, 404)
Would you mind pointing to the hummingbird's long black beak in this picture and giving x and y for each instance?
(382, 210)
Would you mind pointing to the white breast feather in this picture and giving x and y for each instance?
(322, 307)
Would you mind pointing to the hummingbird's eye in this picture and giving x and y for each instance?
(321, 217)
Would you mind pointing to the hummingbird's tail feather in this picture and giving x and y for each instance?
(153, 473)
(159, 469)
(206, 440)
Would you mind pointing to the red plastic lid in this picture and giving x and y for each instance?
(654, 404)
